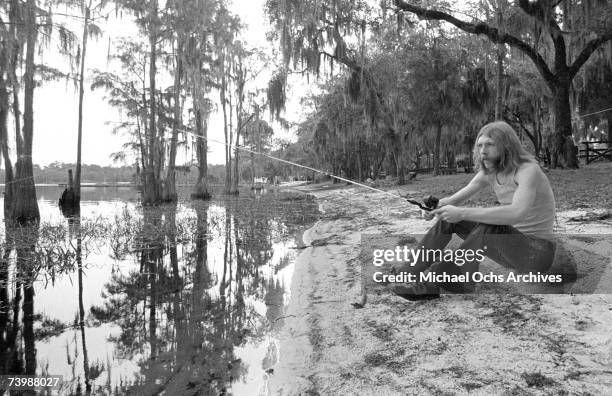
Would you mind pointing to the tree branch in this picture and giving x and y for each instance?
(245, 123)
(482, 28)
(351, 64)
(587, 51)
(536, 10)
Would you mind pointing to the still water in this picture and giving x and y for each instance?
(177, 299)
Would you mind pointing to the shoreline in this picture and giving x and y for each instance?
(477, 344)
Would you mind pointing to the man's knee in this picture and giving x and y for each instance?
(461, 228)
(484, 228)
(444, 227)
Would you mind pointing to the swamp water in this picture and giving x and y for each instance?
(177, 299)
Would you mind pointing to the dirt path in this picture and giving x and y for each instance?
(475, 344)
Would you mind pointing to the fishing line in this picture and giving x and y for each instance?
(429, 204)
(597, 112)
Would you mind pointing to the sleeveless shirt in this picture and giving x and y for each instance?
(540, 217)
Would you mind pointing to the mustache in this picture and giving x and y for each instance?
(485, 158)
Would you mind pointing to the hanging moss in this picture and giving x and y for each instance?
(285, 43)
(276, 93)
(298, 50)
(475, 91)
(340, 50)
(372, 105)
(353, 86)
(316, 58)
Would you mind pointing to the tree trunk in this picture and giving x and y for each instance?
(236, 155)
(450, 159)
(16, 19)
(228, 161)
(399, 163)
(436, 154)
(230, 186)
(252, 169)
(359, 162)
(77, 175)
(240, 121)
(201, 187)
(537, 130)
(152, 186)
(564, 152)
(8, 166)
(499, 101)
(25, 206)
(499, 105)
(170, 185)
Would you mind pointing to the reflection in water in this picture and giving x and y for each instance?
(90, 194)
(74, 233)
(17, 339)
(179, 299)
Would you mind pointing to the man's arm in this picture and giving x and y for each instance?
(522, 201)
(477, 183)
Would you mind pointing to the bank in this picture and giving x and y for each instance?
(476, 344)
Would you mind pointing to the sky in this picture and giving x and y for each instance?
(56, 103)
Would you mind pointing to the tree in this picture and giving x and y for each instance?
(71, 197)
(257, 137)
(312, 35)
(587, 26)
(128, 92)
(181, 32)
(226, 30)
(202, 112)
(22, 203)
(89, 29)
(247, 65)
(20, 32)
(526, 105)
(432, 85)
(240, 76)
(199, 18)
(594, 93)
(148, 18)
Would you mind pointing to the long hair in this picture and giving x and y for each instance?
(512, 152)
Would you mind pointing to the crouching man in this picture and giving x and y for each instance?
(516, 234)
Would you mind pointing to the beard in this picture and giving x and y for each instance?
(490, 164)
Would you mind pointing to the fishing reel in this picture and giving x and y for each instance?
(429, 203)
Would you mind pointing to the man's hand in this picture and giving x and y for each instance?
(449, 213)
(428, 214)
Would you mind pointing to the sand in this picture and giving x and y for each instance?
(486, 344)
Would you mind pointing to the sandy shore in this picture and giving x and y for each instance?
(474, 344)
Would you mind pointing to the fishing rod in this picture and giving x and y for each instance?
(430, 202)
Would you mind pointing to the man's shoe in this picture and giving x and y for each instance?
(417, 291)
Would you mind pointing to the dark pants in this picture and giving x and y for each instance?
(503, 244)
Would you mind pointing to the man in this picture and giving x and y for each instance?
(516, 234)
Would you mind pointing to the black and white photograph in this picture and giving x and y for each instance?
(306, 197)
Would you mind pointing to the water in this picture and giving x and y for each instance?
(179, 299)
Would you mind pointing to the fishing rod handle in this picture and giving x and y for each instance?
(431, 202)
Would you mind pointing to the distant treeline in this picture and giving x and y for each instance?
(57, 172)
